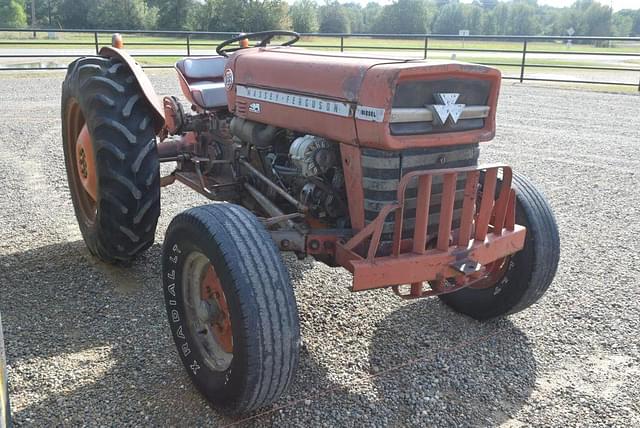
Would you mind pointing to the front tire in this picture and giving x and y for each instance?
(111, 158)
(231, 306)
(528, 273)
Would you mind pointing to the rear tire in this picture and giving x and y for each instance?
(530, 271)
(104, 94)
(258, 301)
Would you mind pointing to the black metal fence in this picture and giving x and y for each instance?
(613, 55)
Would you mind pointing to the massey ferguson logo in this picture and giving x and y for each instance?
(228, 79)
(447, 107)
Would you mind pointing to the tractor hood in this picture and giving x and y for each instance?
(376, 101)
(337, 76)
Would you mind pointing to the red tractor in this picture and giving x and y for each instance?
(364, 162)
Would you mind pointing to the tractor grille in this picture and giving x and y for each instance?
(382, 170)
(420, 93)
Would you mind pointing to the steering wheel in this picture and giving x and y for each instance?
(264, 37)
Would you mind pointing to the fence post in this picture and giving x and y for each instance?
(188, 44)
(524, 59)
(95, 38)
(426, 46)
(341, 43)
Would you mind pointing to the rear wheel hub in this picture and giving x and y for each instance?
(86, 163)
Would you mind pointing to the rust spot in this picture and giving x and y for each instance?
(351, 86)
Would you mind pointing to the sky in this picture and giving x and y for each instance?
(616, 4)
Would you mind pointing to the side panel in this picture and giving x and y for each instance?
(352, 167)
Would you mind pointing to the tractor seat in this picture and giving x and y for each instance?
(209, 94)
(208, 67)
(204, 79)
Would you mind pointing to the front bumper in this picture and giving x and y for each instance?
(450, 260)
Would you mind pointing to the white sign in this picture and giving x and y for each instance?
(370, 114)
(463, 33)
(294, 100)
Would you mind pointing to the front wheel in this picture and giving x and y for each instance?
(524, 276)
(231, 306)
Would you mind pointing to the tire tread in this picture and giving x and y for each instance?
(126, 160)
(264, 294)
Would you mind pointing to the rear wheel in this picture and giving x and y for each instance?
(231, 306)
(518, 281)
(111, 158)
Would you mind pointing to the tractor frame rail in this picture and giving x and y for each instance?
(450, 259)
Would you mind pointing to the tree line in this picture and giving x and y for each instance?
(482, 17)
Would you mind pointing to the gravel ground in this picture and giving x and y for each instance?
(88, 343)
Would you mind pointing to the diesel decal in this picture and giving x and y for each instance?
(371, 114)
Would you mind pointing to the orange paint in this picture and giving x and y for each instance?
(87, 163)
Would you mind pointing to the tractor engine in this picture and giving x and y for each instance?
(309, 167)
(319, 181)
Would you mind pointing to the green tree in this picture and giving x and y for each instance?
(522, 19)
(175, 14)
(404, 16)
(621, 24)
(334, 19)
(596, 20)
(489, 23)
(304, 16)
(450, 20)
(370, 15)
(245, 15)
(226, 15)
(12, 14)
(474, 18)
(262, 15)
(501, 14)
(206, 13)
(122, 14)
(635, 28)
(355, 16)
(74, 14)
(47, 13)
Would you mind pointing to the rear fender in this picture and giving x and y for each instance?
(145, 84)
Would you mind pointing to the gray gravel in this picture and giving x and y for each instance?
(88, 344)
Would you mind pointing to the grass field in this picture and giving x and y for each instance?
(18, 40)
(504, 55)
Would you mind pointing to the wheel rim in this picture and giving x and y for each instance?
(83, 176)
(208, 314)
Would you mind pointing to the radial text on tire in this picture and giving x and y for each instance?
(528, 273)
(231, 306)
(111, 158)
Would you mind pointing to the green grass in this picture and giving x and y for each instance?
(15, 39)
(467, 44)
(510, 61)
